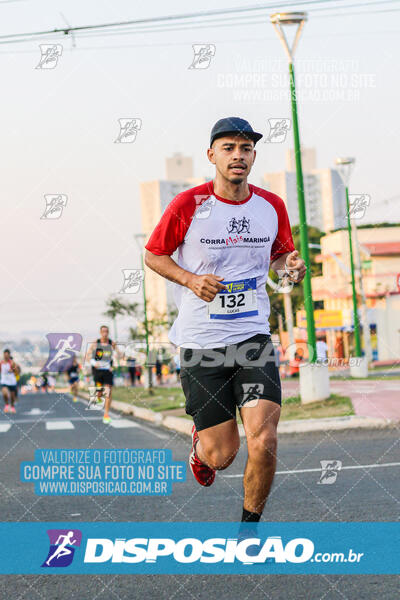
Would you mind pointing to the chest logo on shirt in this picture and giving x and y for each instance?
(238, 225)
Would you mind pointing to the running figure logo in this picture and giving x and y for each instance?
(238, 225)
(128, 129)
(204, 206)
(97, 397)
(50, 54)
(358, 204)
(63, 348)
(278, 129)
(203, 54)
(251, 394)
(132, 281)
(330, 470)
(55, 203)
(62, 547)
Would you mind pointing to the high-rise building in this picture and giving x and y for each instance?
(324, 192)
(179, 167)
(154, 197)
(308, 159)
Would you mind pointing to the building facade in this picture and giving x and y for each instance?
(154, 198)
(324, 192)
(380, 269)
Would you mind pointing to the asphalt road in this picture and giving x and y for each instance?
(358, 494)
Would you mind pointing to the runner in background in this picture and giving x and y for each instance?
(8, 380)
(131, 364)
(139, 371)
(38, 383)
(52, 383)
(159, 370)
(100, 355)
(73, 378)
(45, 383)
(17, 377)
(322, 348)
(294, 364)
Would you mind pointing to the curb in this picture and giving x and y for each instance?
(184, 426)
(333, 424)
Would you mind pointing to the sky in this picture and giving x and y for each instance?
(59, 128)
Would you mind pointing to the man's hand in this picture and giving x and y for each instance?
(206, 286)
(296, 267)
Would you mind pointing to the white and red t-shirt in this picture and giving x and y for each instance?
(235, 240)
(7, 375)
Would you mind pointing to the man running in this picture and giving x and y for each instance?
(8, 381)
(228, 234)
(100, 356)
(73, 378)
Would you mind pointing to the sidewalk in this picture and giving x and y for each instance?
(176, 420)
(374, 398)
(371, 398)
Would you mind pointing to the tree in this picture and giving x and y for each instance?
(137, 332)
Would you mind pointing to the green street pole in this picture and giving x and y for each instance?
(357, 338)
(308, 301)
(146, 326)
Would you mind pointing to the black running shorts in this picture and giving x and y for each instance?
(102, 376)
(11, 388)
(216, 381)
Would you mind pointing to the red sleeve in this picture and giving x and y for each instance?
(171, 230)
(284, 241)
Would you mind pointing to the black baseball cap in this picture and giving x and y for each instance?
(233, 126)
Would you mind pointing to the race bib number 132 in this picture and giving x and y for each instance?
(239, 300)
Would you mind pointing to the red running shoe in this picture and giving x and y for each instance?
(201, 472)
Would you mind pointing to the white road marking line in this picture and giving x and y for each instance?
(57, 425)
(122, 423)
(161, 436)
(115, 417)
(41, 420)
(37, 412)
(82, 419)
(394, 464)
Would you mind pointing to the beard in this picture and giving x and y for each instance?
(237, 180)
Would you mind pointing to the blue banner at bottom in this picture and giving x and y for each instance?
(200, 548)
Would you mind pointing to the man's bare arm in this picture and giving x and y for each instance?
(165, 266)
(279, 263)
(89, 354)
(294, 264)
(204, 286)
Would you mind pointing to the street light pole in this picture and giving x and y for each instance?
(363, 303)
(357, 339)
(345, 166)
(278, 20)
(139, 237)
